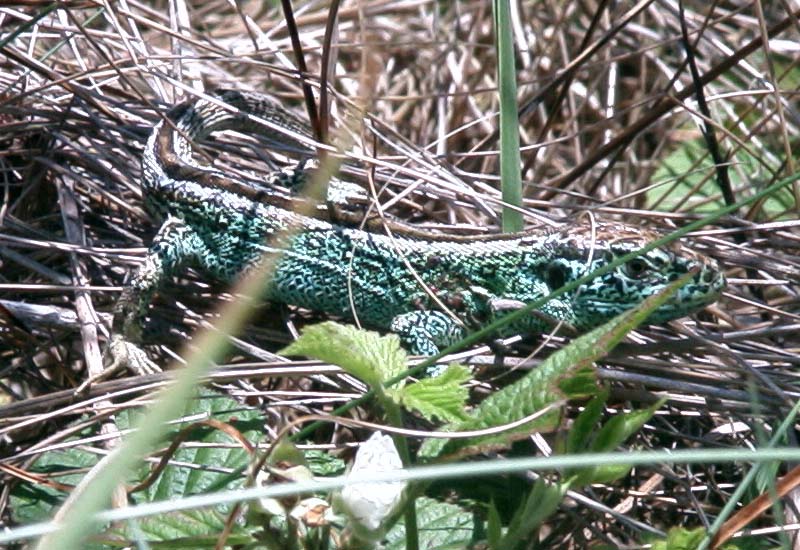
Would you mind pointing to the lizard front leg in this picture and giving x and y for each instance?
(175, 246)
(427, 332)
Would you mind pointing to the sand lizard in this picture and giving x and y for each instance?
(222, 225)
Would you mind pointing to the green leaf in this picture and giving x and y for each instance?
(442, 396)
(622, 426)
(183, 529)
(441, 525)
(566, 374)
(285, 454)
(584, 428)
(533, 393)
(680, 538)
(364, 354)
(32, 502)
(191, 526)
(766, 475)
(494, 529)
(685, 185)
(611, 435)
(542, 501)
(322, 464)
(176, 481)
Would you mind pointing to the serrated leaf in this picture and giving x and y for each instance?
(440, 397)
(184, 529)
(581, 383)
(196, 526)
(181, 481)
(440, 524)
(365, 354)
(566, 374)
(323, 464)
(31, 502)
(533, 393)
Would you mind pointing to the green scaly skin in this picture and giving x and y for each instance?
(429, 290)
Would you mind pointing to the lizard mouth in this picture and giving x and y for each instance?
(670, 310)
(704, 289)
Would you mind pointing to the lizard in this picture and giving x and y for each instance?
(429, 289)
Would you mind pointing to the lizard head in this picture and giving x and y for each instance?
(581, 250)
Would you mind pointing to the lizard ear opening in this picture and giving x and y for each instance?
(555, 275)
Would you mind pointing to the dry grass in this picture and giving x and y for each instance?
(608, 112)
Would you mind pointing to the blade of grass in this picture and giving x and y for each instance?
(423, 473)
(715, 532)
(510, 179)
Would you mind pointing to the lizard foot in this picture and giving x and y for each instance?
(119, 355)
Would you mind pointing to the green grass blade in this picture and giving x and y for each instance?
(510, 180)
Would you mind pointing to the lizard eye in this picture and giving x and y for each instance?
(636, 268)
(555, 275)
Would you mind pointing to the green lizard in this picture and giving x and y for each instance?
(429, 289)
